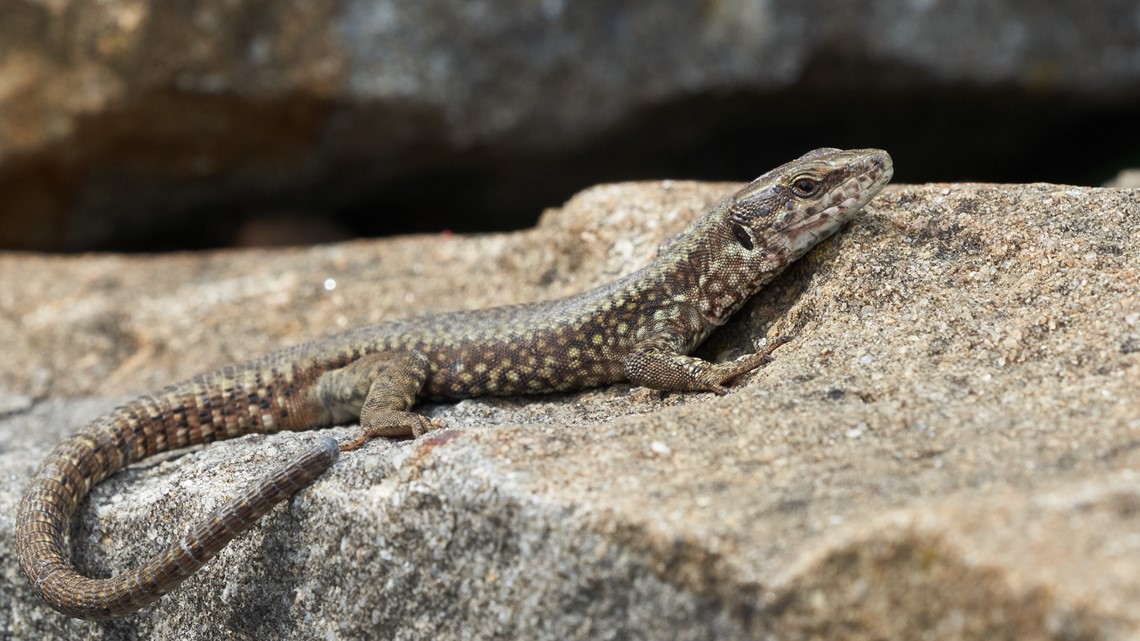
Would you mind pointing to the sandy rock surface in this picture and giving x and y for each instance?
(949, 448)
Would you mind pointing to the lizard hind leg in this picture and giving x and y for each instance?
(380, 389)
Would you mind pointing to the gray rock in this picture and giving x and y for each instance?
(1126, 179)
(120, 119)
(947, 448)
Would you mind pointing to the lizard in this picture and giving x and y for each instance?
(640, 328)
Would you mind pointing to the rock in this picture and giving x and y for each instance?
(1126, 179)
(156, 125)
(946, 449)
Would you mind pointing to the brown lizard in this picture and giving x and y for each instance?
(639, 328)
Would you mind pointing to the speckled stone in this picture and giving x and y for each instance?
(947, 449)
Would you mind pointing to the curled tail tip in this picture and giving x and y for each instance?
(330, 449)
(310, 463)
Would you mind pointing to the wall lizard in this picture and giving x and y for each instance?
(639, 328)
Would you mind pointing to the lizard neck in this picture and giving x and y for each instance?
(701, 271)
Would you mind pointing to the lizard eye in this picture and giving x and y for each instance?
(805, 186)
(742, 237)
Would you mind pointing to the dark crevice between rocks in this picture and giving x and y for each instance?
(175, 171)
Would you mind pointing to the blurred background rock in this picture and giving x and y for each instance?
(137, 125)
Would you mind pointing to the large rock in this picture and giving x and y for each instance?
(160, 124)
(947, 449)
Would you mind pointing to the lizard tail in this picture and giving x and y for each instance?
(66, 477)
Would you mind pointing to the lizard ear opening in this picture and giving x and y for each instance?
(742, 236)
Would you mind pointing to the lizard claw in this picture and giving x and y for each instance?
(428, 425)
(352, 444)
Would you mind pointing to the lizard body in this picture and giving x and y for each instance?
(639, 328)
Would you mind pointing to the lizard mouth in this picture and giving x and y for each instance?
(843, 202)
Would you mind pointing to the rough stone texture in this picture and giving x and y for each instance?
(948, 449)
(121, 118)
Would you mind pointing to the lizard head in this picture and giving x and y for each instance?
(751, 236)
(788, 210)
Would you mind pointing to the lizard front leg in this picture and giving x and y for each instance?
(380, 389)
(657, 364)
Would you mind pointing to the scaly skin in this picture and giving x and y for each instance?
(640, 329)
